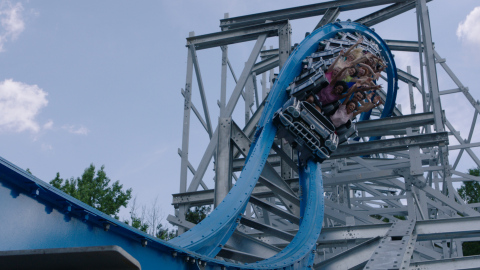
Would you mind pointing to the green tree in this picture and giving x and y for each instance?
(470, 192)
(93, 189)
(165, 233)
(198, 214)
(138, 223)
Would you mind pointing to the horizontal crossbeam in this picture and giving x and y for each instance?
(402, 45)
(387, 13)
(426, 230)
(235, 36)
(390, 145)
(266, 64)
(391, 124)
(470, 262)
(301, 12)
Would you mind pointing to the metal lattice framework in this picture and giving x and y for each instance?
(389, 203)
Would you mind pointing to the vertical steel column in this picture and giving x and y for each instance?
(223, 165)
(410, 91)
(284, 50)
(223, 81)
(223, 74)
(255, 91)
(249, 97)
(428, 52)
(271, 75)
(186, 132)
(435, 102)
(458, 243)
(264, 81)
(284, 44)
(422, 78)
(415, 174)
(410, 202)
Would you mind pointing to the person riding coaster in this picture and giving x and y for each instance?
(304, 120)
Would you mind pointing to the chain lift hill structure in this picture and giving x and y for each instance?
(289, 192)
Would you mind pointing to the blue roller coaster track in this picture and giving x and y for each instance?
(34, 215)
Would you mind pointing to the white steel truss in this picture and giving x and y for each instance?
(399, 187)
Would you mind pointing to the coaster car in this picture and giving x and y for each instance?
(307, 130)
(310, 132)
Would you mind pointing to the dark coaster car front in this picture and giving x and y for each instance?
(307, 130)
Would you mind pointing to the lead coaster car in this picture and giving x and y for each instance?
(307, 130)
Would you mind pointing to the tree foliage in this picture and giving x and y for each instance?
(198, 214)
(93, 189)
(470, 192)
(165, 233)
(471, 248)
(137, 223)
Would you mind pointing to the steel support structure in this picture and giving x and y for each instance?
(393, 195)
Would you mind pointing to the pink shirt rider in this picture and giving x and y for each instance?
(328, 76)
(326, 95)
(341, 116)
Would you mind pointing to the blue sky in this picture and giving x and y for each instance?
(99, 81)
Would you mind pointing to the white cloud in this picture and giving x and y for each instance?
(20, 103)
(11, 21)
(469, 29)
(48, 125)
(80, 130)
(46, 147)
